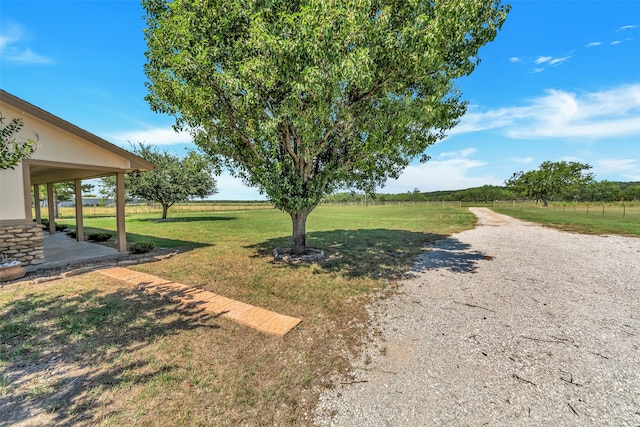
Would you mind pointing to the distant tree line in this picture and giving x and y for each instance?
(591, 191)
(570, 182)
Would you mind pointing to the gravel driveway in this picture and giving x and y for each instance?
(506, 324)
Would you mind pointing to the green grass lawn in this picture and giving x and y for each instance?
(613, 219)
(131, 358)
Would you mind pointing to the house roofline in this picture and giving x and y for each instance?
(137, 162)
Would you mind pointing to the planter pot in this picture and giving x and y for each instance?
(12, 272)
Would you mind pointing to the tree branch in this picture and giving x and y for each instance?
(287, 145)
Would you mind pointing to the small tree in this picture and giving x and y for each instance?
(552, 180)
(174, 180)
(13, 151)
(300, 98)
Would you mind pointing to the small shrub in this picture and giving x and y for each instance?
(141, 247)
(99, 237)
(59, 227)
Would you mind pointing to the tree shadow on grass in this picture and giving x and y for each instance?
(188, 219)
(379, 253)
(58, 351)
(383, 253)
(162, 242)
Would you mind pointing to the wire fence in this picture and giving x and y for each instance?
(156, 208)
(624, 210)
(375, 202)
(615, 210)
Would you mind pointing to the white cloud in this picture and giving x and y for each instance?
(615, 42)
(155, 136)
(543, 59)
(26, 56)
(627, 27)
(515, 59)
(457, 154)
(12, 46)
(615, 165)
(626, 168)
(479, 121)
(453, 170)
(559, 114)
(11, 33)
(231, 188)
(592, 44)
(556, 61)
(439, 175)
(550, 60)
(522, 160)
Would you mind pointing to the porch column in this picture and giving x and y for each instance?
(51, 206)
(79, 218)
(120, 201)
(36, 203)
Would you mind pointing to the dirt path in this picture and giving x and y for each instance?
(506, 324)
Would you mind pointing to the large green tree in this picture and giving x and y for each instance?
(300, 98)
(12, 151)
(551, 181)
(175, 179)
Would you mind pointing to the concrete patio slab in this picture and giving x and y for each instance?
(61, 250)
(261, 319)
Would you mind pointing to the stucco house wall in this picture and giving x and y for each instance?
(64, 152)
(12, 203)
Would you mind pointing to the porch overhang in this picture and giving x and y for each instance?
(64, 153)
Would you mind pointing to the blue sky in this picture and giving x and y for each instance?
(560, 82)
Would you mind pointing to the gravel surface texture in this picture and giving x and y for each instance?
(506, 324)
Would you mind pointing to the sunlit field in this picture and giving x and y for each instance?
(588, 218)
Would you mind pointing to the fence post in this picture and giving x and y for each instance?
(624, 209)
(603, 210)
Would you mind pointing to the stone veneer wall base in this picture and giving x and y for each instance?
(22, 242)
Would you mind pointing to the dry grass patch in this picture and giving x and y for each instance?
(88, 350)
(92, 351)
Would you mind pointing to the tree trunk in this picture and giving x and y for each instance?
(55, 205)
(299, 239)
(165, 208)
